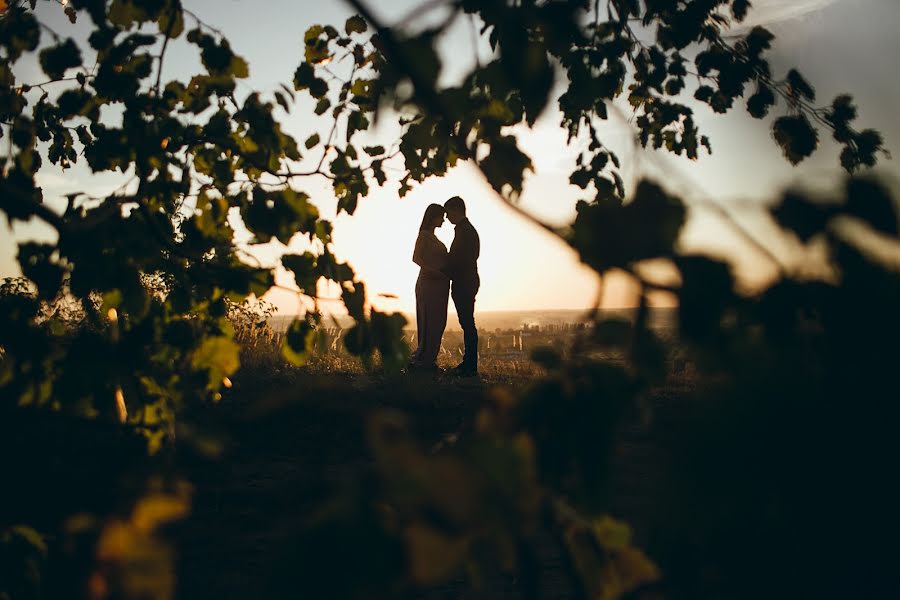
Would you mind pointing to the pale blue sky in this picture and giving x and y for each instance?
(842, 45)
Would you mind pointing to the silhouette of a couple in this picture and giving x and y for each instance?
(443, 274)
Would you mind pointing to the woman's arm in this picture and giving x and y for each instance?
(419, 251)
(429, 254)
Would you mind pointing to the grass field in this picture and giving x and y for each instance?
(282, 442)
(285, 441)
(293, 437)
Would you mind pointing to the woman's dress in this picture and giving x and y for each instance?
(432, 296)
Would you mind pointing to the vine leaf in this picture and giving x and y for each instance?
(602, 230)
(871, 202)
(304, 268)
(55, 60)
(800, 86)
(299, 341)
(802, 216)
(705, 293)
(505, 167)
(219, 356)
(797, 138)
(355, 24)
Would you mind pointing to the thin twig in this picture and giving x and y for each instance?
(44, 83)
(201, 22)
(162, 52)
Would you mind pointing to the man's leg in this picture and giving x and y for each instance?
(465, 310)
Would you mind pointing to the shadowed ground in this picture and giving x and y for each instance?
(293, 441)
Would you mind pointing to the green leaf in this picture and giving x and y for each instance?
(282, 101)
(705, 293)
(313, 32)
(759, 103)
(873, 203)
(356, 121)
(316, 46)
(125, 13)
(841, 113)
(613, 332)
(505, 167)
(608, 565)
(32, 536)
(299, 341)
(387, 336)
(279, 213)
(219, 356)
(56, 59)
(739, 9)
(800, 86)
(796, 137)
(239, 67)
(422, 57)
(355, 24)
(801, 215)
(322, 105)
(328, 267)
(19, 32)
(868, 143)
(361, 90)
(354, 297)
(582, 178)
(304, 76)
(218, 57)
(304, 268)
(603, 230)
(704, 93)
(759, 39)
(171, 22)
(38, 264)
(547, 357)
(358, 340)
(849, 159)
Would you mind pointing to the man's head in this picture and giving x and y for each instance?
(456, 209)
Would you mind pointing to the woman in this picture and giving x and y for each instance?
(432, 290)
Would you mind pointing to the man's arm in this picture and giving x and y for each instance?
(464, 250)
(452, 265)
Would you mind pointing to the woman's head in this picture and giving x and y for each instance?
(434, 217)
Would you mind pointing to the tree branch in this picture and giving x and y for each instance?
(162, 52)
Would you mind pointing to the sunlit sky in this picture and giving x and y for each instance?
(841, 45)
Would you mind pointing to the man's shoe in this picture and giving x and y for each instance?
(422, 369)
(463, 370)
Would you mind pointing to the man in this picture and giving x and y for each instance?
(462, 269)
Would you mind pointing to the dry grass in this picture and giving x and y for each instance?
(261, 355)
